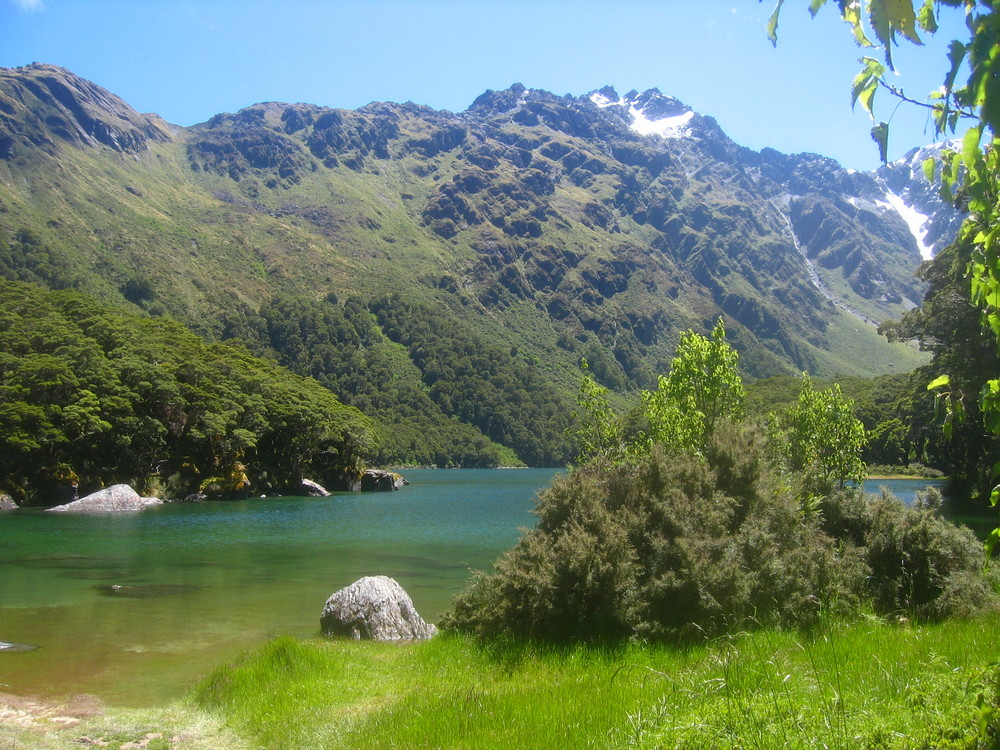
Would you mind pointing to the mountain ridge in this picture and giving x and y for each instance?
(547, 224)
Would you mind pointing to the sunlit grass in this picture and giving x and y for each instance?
(867, 685)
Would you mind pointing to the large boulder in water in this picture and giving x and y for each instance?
(379, 480)
(309, 488)
(376, 608)
(117, 498)
(7, 502)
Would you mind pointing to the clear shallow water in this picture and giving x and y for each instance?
(905, 489)
(201, 582)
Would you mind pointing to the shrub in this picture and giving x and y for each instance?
(676, 545)
(664, 546)
(921, 564)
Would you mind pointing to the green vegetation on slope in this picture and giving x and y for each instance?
(702, 521)
(92, 396)
(545, 227)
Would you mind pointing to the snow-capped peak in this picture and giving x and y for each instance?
(651, 112)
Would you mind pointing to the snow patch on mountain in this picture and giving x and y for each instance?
(673, 126)
(916, 221)
(668, 127)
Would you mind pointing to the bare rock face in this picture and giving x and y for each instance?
(7, 502)
(375, 608)
(114, 499)
(41, 105)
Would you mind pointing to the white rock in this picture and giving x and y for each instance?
(118, 498)
(376, 608)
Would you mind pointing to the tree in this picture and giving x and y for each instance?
(598, 433)
(703, 388)
(824, 439)
(969, 177)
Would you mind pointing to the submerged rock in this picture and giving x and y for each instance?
(375, 608)
(117, 498)
(15, 648)
(146, 590)
(194, 497)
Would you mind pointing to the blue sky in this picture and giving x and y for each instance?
(190, 59)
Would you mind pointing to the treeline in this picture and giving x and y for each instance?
(91, 396)
(440, 394)
(965, 360)
(342, 348)
(909, 424)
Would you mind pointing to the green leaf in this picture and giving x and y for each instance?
(970, 147)
(903, 19)
(929, 165)
(851, 13)
(956, 54)
(878, 18)
(926, 18)
(991, 543)
(939, 382)
(815, 5)
(866, 83)
(772, 23)
(880, 134)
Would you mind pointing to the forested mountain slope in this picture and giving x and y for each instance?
(447, 272)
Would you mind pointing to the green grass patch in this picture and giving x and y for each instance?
(863, 685)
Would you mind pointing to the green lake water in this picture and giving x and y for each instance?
(201, 582)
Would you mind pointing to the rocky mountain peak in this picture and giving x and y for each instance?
(499, 101)
(618, 220)
(932, 222)
(39, 101)
(648, 113)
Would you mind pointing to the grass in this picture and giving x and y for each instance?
(863, 685)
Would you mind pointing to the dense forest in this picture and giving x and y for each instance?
(91, 396)
(84, 404)
(435, 387)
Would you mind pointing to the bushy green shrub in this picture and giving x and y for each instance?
(663, 546)
(921, 564)
(672, 545)
(702, 524)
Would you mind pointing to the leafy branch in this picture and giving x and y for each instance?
(969, 178)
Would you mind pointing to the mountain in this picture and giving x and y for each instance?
(531, 231)
(933, 223)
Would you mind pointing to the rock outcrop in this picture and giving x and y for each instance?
(374, 608)
(7, 502)
(117, 498)
(379, 480)
(309, 488)
(42, 105)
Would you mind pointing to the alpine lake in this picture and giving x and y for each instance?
(136, 608)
